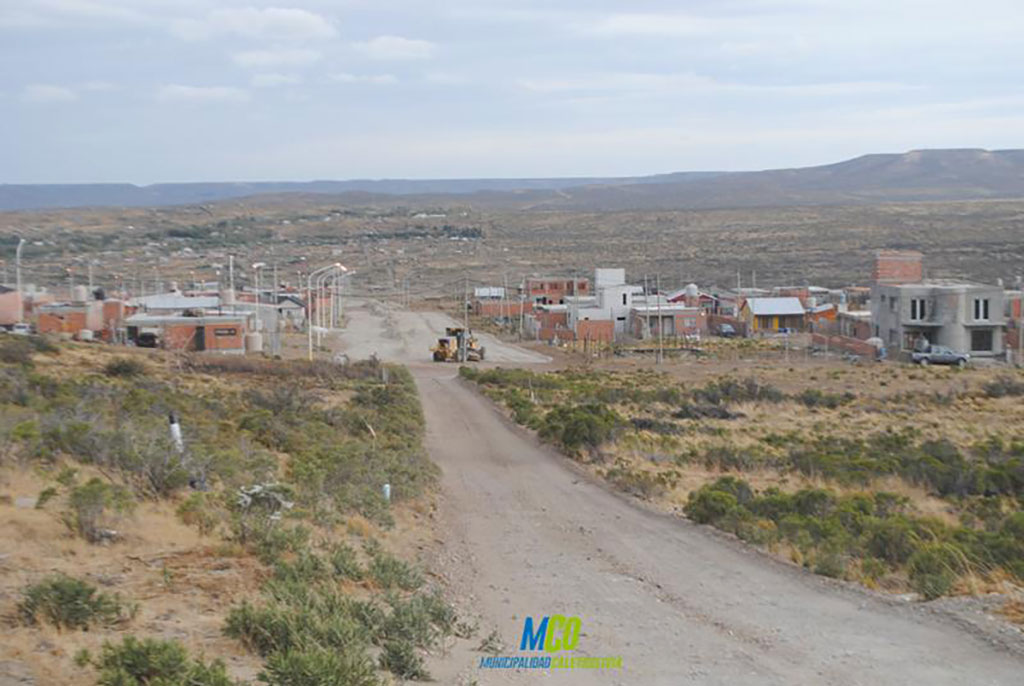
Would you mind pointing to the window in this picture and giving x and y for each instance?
(917, 309)
(981, 309)
(892, 304)
(981, 340)
(624, 297)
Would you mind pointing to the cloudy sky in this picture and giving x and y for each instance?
(188, 90)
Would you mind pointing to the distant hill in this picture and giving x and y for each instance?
(49, 196)
(920, 175)
(959, 174)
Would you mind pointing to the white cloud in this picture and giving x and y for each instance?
(275, 23)
(637, 24)
(396, 48)
(372, 79)
(444, 78)
(98, 86)
(276, 57)
(201, 94)
(274, 80)
(41, 92)
(625, 82)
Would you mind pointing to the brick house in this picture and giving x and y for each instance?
(223, 333)
(650, 321)
(551, 290)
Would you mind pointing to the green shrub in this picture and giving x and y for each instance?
(400, 658)
(126, 367)
(69, 603)
(201, 511)
(345, 562)
(91, 506)
(16, 351)
(726, 391)
(934, 568)
(576, 428)
(319, 667)
(1002, 386)
(390, 572)
(153, 662)
(706, 505)
(813, 397)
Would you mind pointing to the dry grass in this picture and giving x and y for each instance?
(1013, 610)
(184, 583)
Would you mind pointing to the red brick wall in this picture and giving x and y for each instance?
(850, 345)
(66, 322)
(179, 336)
(497, 308)
(555, 290)
(898, 266)
(231, 342)
(596, 330)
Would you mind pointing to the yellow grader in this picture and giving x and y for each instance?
(449, 348)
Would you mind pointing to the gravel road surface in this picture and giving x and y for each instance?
(526, 534)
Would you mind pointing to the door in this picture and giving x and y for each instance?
(199, 339)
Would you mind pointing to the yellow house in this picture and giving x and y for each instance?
(772, 314)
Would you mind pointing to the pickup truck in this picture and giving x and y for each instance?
(940, 354)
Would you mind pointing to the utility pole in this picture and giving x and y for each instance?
(522, 308)
(465, 318)
(231, 273)
(17, 276)
(277, 314)
(90, 277)
(661, 325)
(504, 299)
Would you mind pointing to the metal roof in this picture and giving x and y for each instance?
(772, 307)
(176, 301)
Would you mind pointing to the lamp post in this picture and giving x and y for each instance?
(256, 269)
(309, 302)
(17, 276)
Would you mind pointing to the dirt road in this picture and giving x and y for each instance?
(529, 536)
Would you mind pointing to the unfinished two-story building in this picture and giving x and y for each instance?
(907, 309)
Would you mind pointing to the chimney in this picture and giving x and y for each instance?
(898, 266)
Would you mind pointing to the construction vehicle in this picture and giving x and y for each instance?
(458, 345)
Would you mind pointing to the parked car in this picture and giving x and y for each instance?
(21, 329)
(726, 331)
(940, 354)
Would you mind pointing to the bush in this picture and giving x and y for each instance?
(584, 426)
(707, 505)
(90, 507)
(152, 662)
(345, 563)
(1002, 386)
(812, 397)
(400, 658)
(126, 367)
(934, 568)
(201, 511)
(726, 391)
(390, 572)
(319, 667)
(69, 603)
(16, 351)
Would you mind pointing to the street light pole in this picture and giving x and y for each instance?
(256, 269)
(309, 302)
(17, 276)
